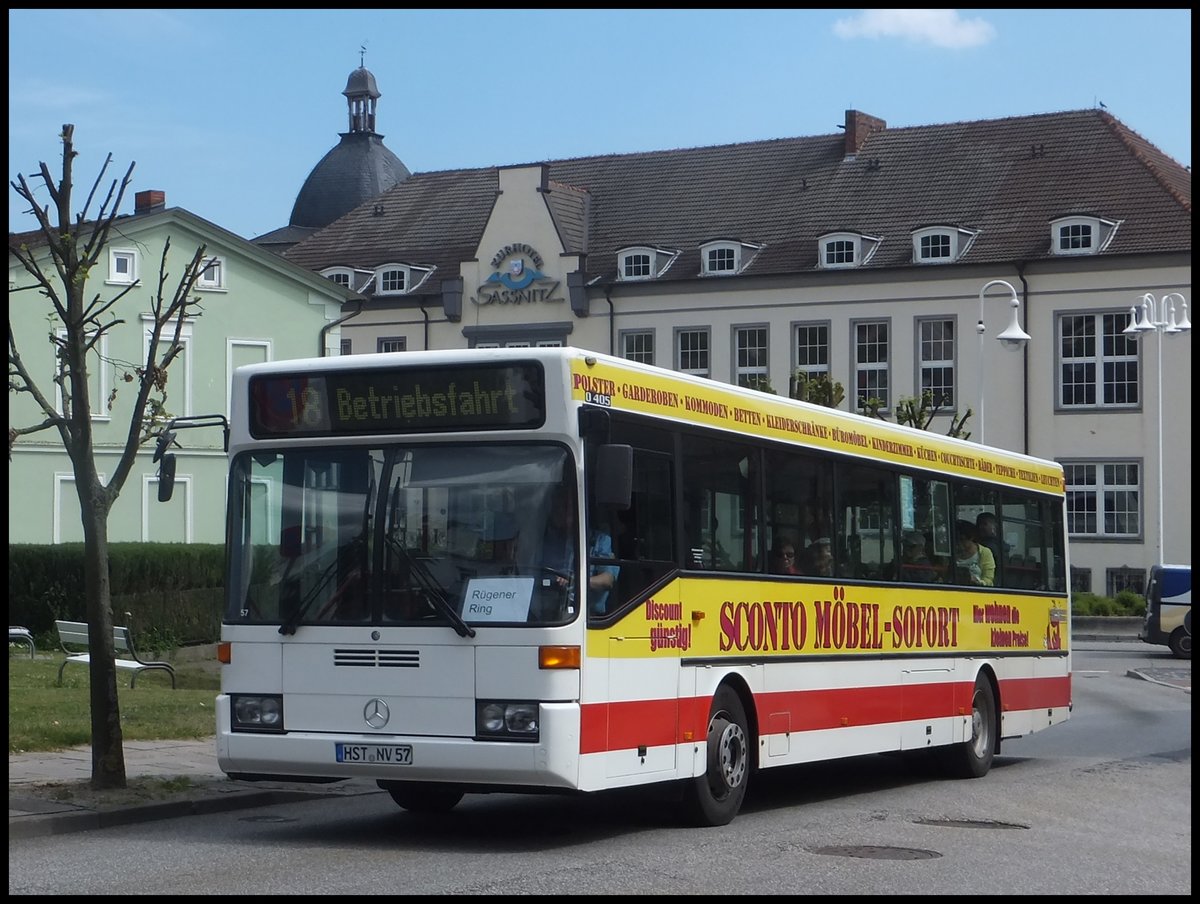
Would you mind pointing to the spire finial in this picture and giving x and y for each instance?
(362, 54)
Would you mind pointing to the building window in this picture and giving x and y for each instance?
(341, 277)
(392, 344)
(935, 357)
(721, 260)
(691, 352)
(213, 274)
(99, 369)
(643, 262)
(750, 357)
(1081, 580)
(392, 281)
(1081, 235)
(122, 267)
(840, 250)
(1103, 499)
(346, 347)
(871, 363)
(636, 265)
(1098, 364)
(1118, 579)
(638, 345)
(812, 350)
(941, 244)
(840, 253)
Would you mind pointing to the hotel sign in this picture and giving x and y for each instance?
(517, 278)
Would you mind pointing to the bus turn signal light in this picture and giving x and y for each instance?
(558, 657)
(225, 652)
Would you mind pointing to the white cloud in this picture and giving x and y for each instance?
(939, 27)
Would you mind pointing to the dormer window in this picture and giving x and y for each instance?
(644, 262)
(399, 279)
(843, 250)
(1081, 234)
(941, 244)
(343, 276)
(726, 258)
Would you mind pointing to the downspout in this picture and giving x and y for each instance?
(327, 327)
(1025, 363)
(612, 321)
(425, 314)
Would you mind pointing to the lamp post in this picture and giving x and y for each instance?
(1158, 314)
(1013, 337)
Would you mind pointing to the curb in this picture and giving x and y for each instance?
(43, 825)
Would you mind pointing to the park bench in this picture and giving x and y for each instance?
(23, 636)
(73, 635)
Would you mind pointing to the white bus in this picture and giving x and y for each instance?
(404, 604)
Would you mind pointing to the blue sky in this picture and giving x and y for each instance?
(228, 110)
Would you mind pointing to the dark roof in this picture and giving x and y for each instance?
(357, 169)
(1005, 179)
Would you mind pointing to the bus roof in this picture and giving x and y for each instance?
(624, 385)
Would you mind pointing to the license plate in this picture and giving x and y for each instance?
(389, 754)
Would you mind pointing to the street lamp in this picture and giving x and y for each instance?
(1013, 337)
(1158, 314)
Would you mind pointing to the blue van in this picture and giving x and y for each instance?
(1169, 609)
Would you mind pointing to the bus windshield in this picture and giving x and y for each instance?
(404, 534)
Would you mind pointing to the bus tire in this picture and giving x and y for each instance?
(421, 798)
(1180, 643)
(714, 798)
(973, 758)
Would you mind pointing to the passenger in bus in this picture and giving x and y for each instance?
(973, 563)
(988, 530)
(819, 558)
(783, 556)
(914, 564)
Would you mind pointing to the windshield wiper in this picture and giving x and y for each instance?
(430, 586)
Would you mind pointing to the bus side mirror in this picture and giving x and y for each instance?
(613, 480)
(166, 477)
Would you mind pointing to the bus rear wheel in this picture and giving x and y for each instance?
(973, 758)
(714, 798)
(418, 798)
(1180, 643)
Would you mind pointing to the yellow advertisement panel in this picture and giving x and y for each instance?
(733, 618)
(755, 413)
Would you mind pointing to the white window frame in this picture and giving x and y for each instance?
(717, 253)
(751, 362)
(231, 344)
(216, 283)
(1101, 235)
(127, 254)
(61, 481)
(810, 369)
(414, 277)
(936, 354)
(637, 345)
(861, 366)
(99, 382)
(861, 247)
(958, 243)
(384, 340)
(150, 504)
(383, 274)
(659, 261)
(342, 276)
(635, 257)
(1103, 489)
(1126, 358)
(698, 332)
(185, 339)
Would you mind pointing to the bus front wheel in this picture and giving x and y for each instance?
(714, 798)
(973, 758)
(1180, 643)
(418, 798)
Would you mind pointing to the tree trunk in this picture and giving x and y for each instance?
(108, 753)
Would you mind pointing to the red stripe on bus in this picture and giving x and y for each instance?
(652, 723)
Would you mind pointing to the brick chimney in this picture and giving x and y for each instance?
(858, 127)
(146, 201)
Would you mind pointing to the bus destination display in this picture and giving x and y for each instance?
(395, 400)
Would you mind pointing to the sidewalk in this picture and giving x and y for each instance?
(49, 793)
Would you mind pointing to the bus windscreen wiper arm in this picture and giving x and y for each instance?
(433, 590)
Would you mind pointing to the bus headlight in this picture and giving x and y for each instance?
(262, 712)
(510, 720)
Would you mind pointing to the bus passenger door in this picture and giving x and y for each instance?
(643, 690)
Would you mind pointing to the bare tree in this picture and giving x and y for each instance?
(60, 257)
